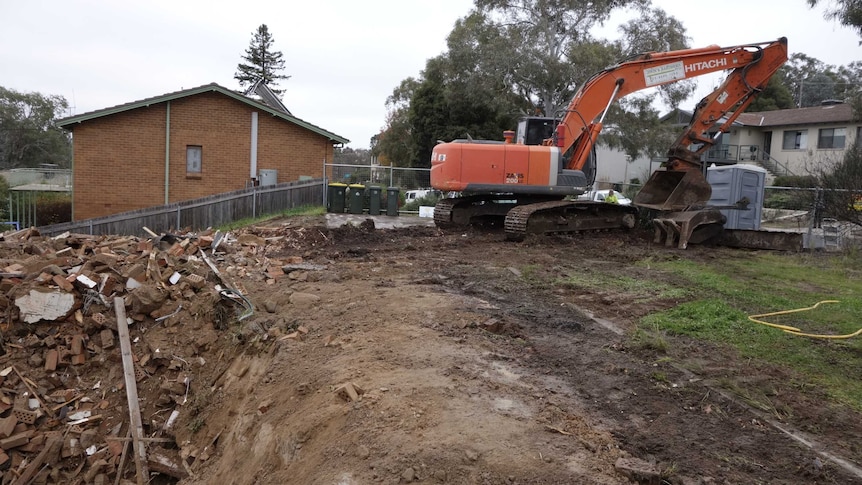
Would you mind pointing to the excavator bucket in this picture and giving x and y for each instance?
(673, 190)
(680, 195)
(681, 228)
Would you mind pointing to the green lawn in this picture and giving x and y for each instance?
(727, 291)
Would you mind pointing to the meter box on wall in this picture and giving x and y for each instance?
(268, 177)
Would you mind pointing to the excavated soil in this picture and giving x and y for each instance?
(419, 356)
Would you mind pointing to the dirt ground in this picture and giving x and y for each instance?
(472, 372)
(413, 355)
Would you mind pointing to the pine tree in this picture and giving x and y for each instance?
(261, 62)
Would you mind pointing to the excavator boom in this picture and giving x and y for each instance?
(751, 67)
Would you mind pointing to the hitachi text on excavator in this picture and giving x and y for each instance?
(528, 177)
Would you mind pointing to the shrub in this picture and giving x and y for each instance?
(53, 209)
(429, 200)
(806, 181)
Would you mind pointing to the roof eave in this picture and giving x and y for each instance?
(68, 123)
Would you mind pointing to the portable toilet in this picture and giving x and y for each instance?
(730, 183)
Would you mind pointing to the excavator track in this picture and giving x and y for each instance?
(467, 210)
(564, 216)
(450, 213)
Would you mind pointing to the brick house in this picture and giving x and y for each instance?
(187, 144)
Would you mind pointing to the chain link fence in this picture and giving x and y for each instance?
(403, 178)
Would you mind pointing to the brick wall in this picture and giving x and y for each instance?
(119, 160)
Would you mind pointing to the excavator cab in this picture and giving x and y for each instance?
(534, 130)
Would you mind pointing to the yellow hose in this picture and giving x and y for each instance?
(796, 331)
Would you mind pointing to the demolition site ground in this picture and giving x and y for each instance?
(406, 355)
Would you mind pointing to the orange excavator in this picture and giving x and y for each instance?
(529, 177)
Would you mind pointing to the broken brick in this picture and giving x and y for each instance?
(52, 358)
(107, 339)
(7, 426)
(77, 344)
(17, 440)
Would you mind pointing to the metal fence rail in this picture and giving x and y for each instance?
(197, 214)
(385, 176)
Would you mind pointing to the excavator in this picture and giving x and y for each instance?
(531, 177)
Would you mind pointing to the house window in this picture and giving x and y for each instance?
(831, 138)
(193, 159)
(795, 140)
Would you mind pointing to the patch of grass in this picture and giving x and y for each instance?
(534, 275)
(307, 210)
(659, 376)
(753, 397)
(668, 472)
(530, 271)
(730, 290)
(196, 424)
(639, 289)
(652, 339)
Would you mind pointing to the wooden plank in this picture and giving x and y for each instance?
(123, 458)
(51, 448)
(32, 388)
(139, 446)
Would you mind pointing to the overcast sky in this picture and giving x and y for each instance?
(344, 56)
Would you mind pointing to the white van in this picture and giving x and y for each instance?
(412, 195)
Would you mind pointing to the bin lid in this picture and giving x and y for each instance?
(393, 189)
(337, 184)
(356, 186)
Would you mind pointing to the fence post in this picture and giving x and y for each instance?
(325, 183)
(178, 217)
(254, 202)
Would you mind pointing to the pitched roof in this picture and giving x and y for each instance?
(834, 113)
(212, 87)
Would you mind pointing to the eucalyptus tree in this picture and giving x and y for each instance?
(509, 58)
(29, 135)
(848, 12)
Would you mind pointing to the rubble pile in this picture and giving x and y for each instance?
(65, 416)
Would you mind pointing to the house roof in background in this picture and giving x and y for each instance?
(70, 121)
(833, 113)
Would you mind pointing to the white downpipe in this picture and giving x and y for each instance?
(253, 164)
(168, 153)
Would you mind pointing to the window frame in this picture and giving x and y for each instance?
(821, 138)
(800, 139)
(191, 169)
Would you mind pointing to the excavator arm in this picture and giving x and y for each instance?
(750, 66)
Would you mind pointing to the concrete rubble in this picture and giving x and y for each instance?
(64, 416)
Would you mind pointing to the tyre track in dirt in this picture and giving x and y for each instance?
(655, 408)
